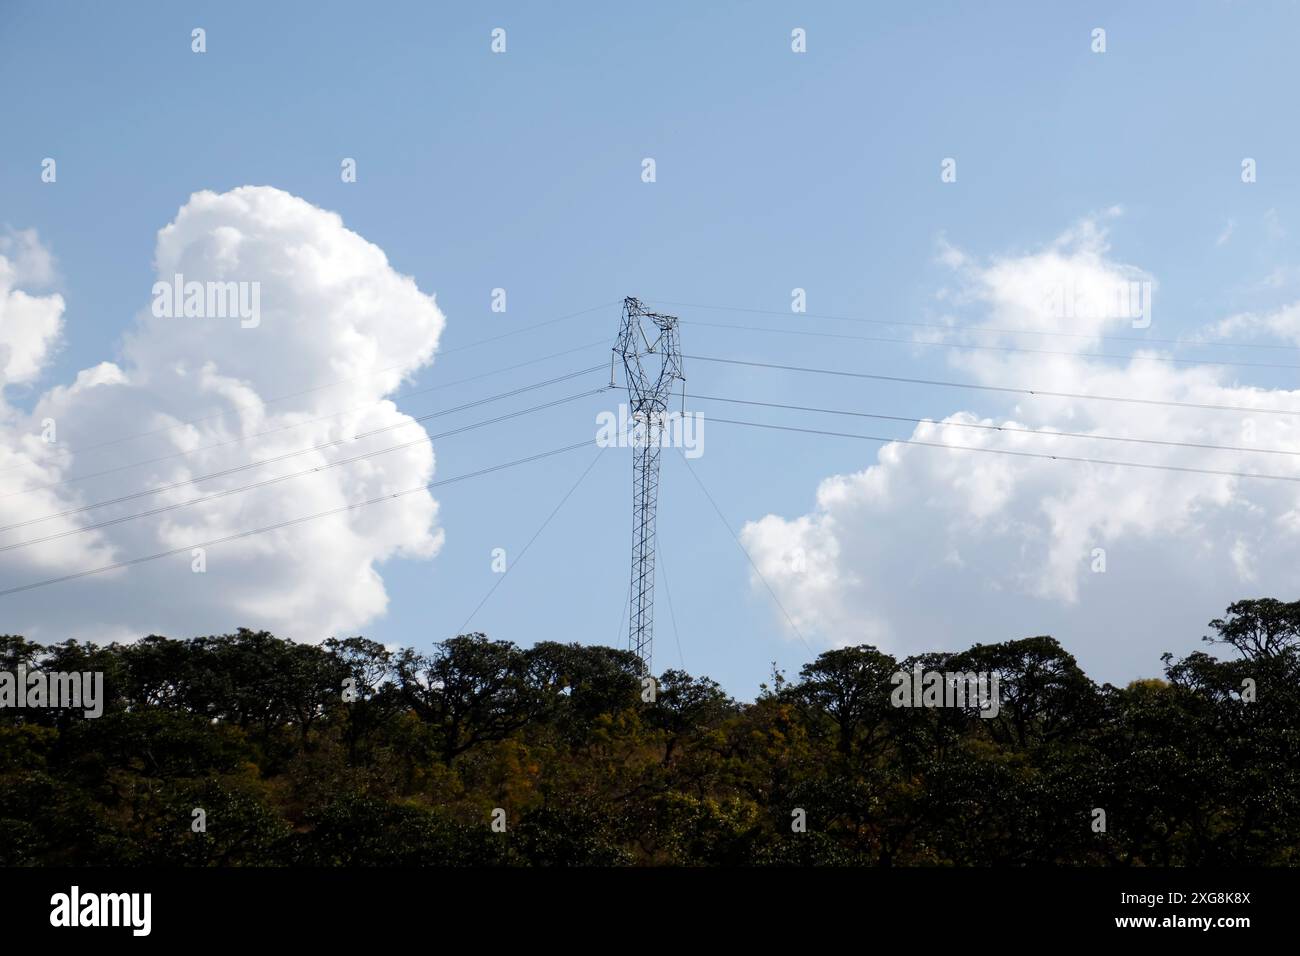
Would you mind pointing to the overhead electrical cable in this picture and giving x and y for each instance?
(301, 451)
(537, 534)
(947, 327)
(291, 522)
(993, 348)
(743, 550)
(1016, 390)
(343, 381)
(1046, 456)
(1043, 432)
(226, 492)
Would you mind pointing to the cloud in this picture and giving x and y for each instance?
(1282, 323)
(339, 329)
(927, 548)
(29, 324)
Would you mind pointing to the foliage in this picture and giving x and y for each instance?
(349, 754)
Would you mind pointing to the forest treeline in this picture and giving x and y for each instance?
(347, 754)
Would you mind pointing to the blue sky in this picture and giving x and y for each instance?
(775, 170)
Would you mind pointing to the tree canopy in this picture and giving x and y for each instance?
(481, 752)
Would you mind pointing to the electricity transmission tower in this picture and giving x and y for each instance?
(652, 360)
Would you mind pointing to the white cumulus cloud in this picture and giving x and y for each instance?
(929, 548)
(29, 324)
(339, 330)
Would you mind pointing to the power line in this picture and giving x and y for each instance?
(294, 521)
(297, 424)
(1142, 340)
(343, 381)
(672, 615)
(622, 616)
(745, 551)
(509, 567)
(1000, 428)
(298, 474)
(301, 451)
(1018, 454)
(993, 348)
(1000, 388)
(529, 328)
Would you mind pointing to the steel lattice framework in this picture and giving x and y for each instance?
(650, 346)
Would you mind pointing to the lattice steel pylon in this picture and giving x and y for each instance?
(650, 346)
